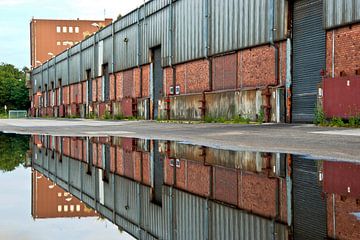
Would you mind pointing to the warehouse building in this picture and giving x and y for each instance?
(270, 60)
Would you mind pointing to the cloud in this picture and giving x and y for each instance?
(11, 3)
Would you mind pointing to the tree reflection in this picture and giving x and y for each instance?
(12, 151)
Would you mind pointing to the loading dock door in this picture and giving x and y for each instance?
(157, 80)
(309, 56)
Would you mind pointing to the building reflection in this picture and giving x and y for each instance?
(172, 190)
(51, 201)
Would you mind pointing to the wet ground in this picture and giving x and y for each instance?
(317, 142)
(111, 187)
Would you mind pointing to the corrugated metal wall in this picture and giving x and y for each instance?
(339, 13)
(182, 28)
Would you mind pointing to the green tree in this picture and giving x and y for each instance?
(12, 151)
(13, 92)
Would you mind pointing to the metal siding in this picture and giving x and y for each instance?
(154, 32)
(107, 53)
(309, 53)
(339, 13)
(74, 68)
(240, 24)
(188, 34)
(75, 173)
(52, 76)
(189, 214)
(61, 72)
(87, 60)
(126, 198)
(309, 206)
(126, 53)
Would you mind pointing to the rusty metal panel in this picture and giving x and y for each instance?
(188, 34)
(341, 97)
(342, 178)
(340, 13)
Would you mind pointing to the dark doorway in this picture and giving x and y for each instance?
(157, 80)
(106, 82)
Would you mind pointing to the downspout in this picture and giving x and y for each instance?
(171, 43)
(113, 60)
(80, 79)
(333, 55)
(207, 41)
(68, 77)
(139, 51)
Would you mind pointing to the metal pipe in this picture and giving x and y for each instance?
(333, 54)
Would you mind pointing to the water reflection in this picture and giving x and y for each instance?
(170, 190)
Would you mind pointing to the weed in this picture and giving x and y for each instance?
(118, 117)
(320, 118)
(261, 116)
(107, 116)
(354, 121)
(336, 122)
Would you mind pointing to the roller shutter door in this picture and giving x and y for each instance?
(309, 56)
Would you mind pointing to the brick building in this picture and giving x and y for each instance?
(49, 37)
(170, 60)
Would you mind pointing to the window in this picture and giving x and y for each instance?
(70, 29)
(64, 29)
(77, 29)
(65, 43)
(58, 29)
(58, 43)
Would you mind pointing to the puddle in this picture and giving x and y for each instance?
(115, 187)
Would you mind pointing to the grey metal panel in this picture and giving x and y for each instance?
(190, 217)
(89, 181)
(125, 52)
(152, 214)
(61, 71)
(109, 193)
(105, 32)
(74, 68)
(126, 21)
(75, 173)
(88, 42)
(155, 32)
(156, 5)
(107, 53)
(188, 34)
(240, 24)
(126, 198)
(74, 50)
(231, 223)
(52, 75)
(37, 79)
(45, 76)
(87, 60)
(310, 218)
(339, 13)
(309, 54)
(62, 168)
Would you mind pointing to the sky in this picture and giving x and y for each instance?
(15, 17)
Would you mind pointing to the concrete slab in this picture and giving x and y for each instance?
(350, 132)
